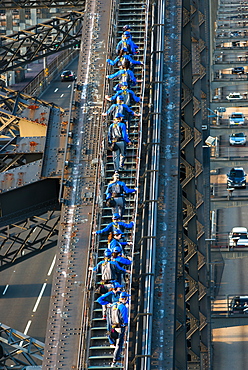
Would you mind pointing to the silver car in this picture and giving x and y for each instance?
(239, 138)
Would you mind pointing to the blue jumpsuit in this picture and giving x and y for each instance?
(123, 109)
(115, 225)
(127, 94)
(119, 196)
(111, 268)
(125, 75)
(129, 44)
(123, 323)
(119, 60)
(106, 300)
(119, 155)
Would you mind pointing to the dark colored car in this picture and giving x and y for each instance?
(236, 178)
(238, 70)
(67, 76)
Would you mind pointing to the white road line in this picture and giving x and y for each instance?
(39, 297)
(61, 95)
(68, 86)
(56, 90)
(52, 266)
(5, 289)
(27, 327)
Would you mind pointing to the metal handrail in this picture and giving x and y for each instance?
(148, 295)
(138, 167)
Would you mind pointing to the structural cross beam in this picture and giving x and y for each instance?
(19, 349)
(41, 40)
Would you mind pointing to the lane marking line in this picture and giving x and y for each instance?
(39, 297)
(56, 90)
(5, 289)
(68, 86)
(52, 266)
(27, 327)
(61, 95)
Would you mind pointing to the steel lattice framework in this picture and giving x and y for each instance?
(41, 40)
(34, 234)
(193, 306)
(20, 350)
(15, 102)
(34, 226)
(19, 4)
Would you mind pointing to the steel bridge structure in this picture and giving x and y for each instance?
(63, 156)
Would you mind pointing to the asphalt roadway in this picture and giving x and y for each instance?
(230, 343)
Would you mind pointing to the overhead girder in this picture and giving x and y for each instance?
(192, 256)
(15, 102)
(28, 160)
(19, 350)
(39, 41)
(24, 132)
(26, 4)
(33, 234)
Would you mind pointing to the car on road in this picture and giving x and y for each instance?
(234, 96)
(238, 138)
(237, 118)
(67, 76)
(234, 34)
(238, 234)
(238, 70)
(236, 178)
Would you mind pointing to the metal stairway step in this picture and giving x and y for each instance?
(103, 357)
(99, 338)
(132, 13)
(95, 348)
(98, 328)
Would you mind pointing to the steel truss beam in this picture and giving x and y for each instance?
(19, 350)
(44, 39)
(26, 168)
(23, 127)
(26, 4)
(31, 235)
(14, 102)
(193, 349)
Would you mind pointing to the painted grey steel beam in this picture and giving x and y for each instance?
(24, 202)
(20, 176)
(22, 145)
